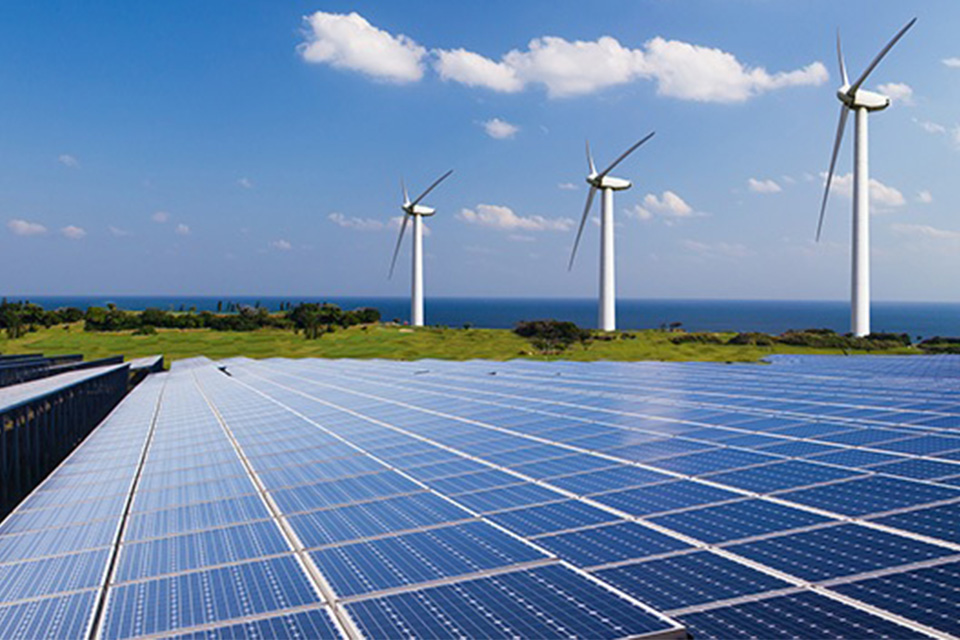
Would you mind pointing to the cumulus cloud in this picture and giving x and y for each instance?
(881, 195)
(668, 205)
(357, 224)
(953, 63)
(25, 227)
(898, 92)
(73, 232)
(500, 129)
(763, 186)
(160, 217)
(563, 67)
(68, 160)
(567, 186)
(925, 231)
(182, 230)
(500, 217)
(117, 232)
(924, 197)
(246, 183)
(716, 249)
(474, 70)
(350, 42)
(281, 245)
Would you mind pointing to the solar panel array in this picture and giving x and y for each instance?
(308, 498)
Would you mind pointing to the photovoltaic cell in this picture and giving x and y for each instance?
(689, 579)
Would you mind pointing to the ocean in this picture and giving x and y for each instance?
(925, 319)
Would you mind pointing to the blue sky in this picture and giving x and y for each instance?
(256, 147)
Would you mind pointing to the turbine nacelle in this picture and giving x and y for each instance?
(861, 98)
(608, 182)
(418, 210)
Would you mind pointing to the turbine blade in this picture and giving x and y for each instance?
(396, 252)
(583, 221)
(833, 163)
(626, 153)
(876, 60)
(593, 169)
(403, 188)
(843, 67)
(432, 187)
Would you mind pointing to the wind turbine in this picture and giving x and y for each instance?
(608, 184)
(862, 102)
(416, 211)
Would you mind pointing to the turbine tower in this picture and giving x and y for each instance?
(862, 102)
(608, 184)
(416, 211)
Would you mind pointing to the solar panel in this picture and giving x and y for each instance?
(344, 498)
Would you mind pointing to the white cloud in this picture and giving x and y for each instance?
(567, 186)
(281, 245)
(953, 63)
(898, 92)
(763, 186)
(565, 68)
(25, 227)
(500, 129)
(357, 224)
(160, 217)
(716, 249)
(925, 231)
(68, 160)
(703, 74)
(500, 217)
(474, 70)
(246, 183)
(924, 197)
(517, 237)
(350, 42)
(668, 205)
(74, 233)
(931, 127)
(117, 232)
(881, 195)
(182, 230)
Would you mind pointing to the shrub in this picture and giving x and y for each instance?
(696, 338)
(753, 338)
(552, 336)
(145, 330)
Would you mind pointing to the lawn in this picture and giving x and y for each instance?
(399, 343)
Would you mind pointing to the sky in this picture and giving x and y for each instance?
(257, 147)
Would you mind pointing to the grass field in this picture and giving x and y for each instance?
(376, 342)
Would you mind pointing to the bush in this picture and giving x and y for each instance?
(938, 344)
(753, 338)
(552, 336)
(145, 330)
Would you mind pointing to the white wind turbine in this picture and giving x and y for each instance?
(416, 211)
(853, 98)
(609, 184)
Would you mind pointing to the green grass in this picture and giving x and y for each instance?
(377, 342)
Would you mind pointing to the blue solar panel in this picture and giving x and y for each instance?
(206, 597)
(314, 624)
(666, 496)
(838, 551)
(204, 552)
(735, 520)
(801, 615)
(58, 617)
(930, 596)
(609, 543)
(420, 557)
(544, 603)
(689, 579)
(871, 495)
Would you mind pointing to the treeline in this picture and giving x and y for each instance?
(313, 319)
(812, 338)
